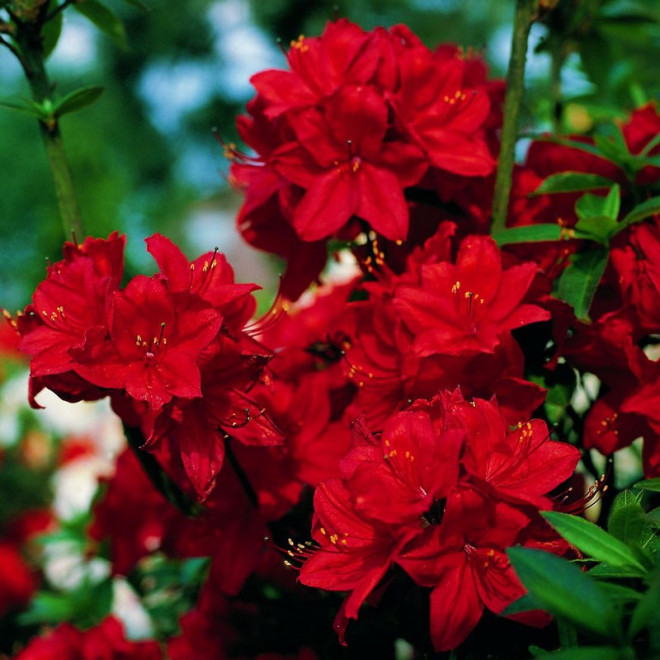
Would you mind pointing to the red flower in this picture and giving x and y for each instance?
(153, 344)
(404, 476)
(637, 263)
(69, 308)
(354, 552)
(520, 466)
(17, 583)
(209, 277)
(442, 113)
(319, 66)
(348, 168)
(468, 307)
(464, 561)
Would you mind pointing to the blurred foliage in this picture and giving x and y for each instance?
(143, 156)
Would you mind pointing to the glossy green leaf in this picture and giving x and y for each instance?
(578, 282)
(528, 234)
(526, 603)
(647, 612)
(564, 182)
(642, 211)
(604, 571)
(593, 541)
(612, 144)
(596, 228)
(79, 98)
(594, 205)
(650, 145)
(654, 517)
(628, 521)
(620, 593)
(566, 591)
(105, 20)
(649, 484)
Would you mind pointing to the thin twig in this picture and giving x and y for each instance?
(13, 50)
(58, 10)
(515, 86)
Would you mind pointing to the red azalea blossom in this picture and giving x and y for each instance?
(354, 553)
(467, 307)
(154, 343)
(521, 465)
(347, 167)
(464, 561)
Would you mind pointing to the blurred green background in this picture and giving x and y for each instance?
(144, 158)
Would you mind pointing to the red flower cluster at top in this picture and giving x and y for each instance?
(407, 396)
(359, 118)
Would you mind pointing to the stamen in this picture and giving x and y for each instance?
(299, 44)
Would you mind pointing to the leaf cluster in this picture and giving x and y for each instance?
(607, 602)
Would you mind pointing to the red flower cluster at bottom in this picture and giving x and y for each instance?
(441, 491)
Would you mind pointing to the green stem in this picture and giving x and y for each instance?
(515, 80)
(30, 42)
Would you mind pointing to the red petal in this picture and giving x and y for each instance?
(326, 206)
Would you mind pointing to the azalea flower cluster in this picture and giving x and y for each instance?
(359, 117)
(441, 492)
(404, 404)
(171, 350)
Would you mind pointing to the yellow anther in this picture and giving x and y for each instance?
(299, 44)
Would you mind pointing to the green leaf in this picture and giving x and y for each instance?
(628, 522)
(647, 612)
(25, 105)
(564, 182)
(654, 517)
(605, 571)
(596, 228)
(528, 234)
(47, 607)
(105, 20)
(593, 541)
(612, 144)
(526, 603)
(578, 282)
(649, 484)
(93, 603)
(51, 32)
(593, 206)
(566, 591)
(589, 653)
(620, 593)
(598, 215)
(79, 98)
(642, 211)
